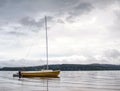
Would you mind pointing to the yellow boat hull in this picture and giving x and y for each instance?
(41, 74)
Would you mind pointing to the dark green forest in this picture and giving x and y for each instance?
(65, 67)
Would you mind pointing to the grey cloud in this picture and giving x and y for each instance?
(29, 21)
(115, 27)
(16, 9)
(49, 18)
(117, 13)
(113, 53)
(32, 24)
(26, 7)
(60, 21)
(29, 25)
(110, 56)
(101, 4)
(83, 7)
(62, 10)
(19, 62)
(80, 9)
(20, 8)
(15, 33)
(2, 2)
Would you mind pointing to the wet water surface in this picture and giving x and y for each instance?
(68, 81)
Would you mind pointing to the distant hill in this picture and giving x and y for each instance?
(66, 67)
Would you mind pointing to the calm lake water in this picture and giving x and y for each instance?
(68, 81)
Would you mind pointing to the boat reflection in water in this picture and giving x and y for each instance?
(41, 83)
(47, 86)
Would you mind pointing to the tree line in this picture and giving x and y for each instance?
(65, 67)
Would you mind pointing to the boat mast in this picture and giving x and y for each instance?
(46, 42)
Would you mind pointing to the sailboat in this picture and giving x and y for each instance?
(42, 73)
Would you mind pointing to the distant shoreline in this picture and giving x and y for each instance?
(66, 67)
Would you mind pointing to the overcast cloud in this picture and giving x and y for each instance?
(80, 31)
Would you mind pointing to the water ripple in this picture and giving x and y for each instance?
(69, 81)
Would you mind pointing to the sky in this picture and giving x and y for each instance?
(79, 32)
